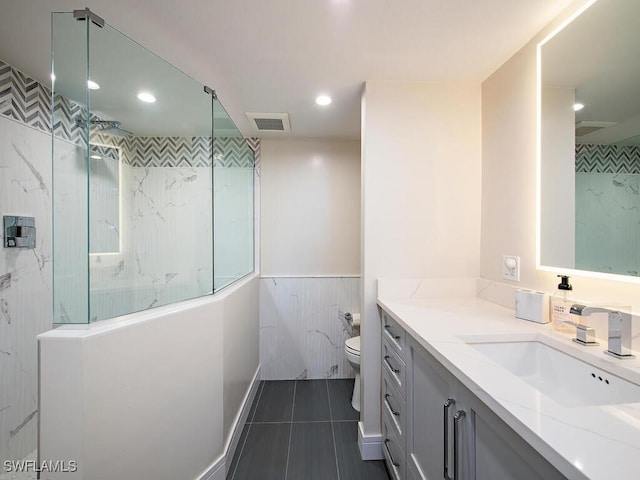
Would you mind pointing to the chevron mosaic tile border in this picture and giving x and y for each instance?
(608, 159)
(183, 151)
(65, 114)
(26, 100)
(232, 152)
(254, 144)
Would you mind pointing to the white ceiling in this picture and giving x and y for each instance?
(277, 55)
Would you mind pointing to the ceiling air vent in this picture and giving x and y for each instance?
(270, 122)
(586, 127)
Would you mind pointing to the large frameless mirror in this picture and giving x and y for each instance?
(589, 86)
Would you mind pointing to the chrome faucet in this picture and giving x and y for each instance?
(619, 338)
(585, 335)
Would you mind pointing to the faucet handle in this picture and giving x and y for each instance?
(577, 309)
(619, 344)
(585, 335)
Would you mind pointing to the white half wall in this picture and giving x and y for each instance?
(421, 181)
(149, 395)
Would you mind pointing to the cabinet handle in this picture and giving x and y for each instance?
(393, 335)
(456, 420)
(386, 445)
(394, 370)
(450, 402)
(386, 400)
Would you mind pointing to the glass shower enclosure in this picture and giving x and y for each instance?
(153, 184)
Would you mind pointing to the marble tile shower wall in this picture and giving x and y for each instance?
(159, 206)
(166, 194)
(301, 335)
(25, 275)
(607, 204)
(26, 189)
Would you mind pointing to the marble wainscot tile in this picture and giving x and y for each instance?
(25, 284)
(301, 333)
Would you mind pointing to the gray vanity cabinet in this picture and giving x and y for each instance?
(451, 434)
(439, 427)
(501, 454)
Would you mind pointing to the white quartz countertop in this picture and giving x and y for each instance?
(581, 441)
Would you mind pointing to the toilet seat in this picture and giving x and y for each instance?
(352, 345)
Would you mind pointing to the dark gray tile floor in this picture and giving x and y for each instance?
(302, 430)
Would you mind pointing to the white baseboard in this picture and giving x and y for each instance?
(243, 414)
(217, 470)
(370, 445)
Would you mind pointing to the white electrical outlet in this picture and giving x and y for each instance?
(511, 268)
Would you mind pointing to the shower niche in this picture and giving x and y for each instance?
(153, 184)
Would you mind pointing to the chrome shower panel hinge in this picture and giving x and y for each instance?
(211, 92)
(87, 14)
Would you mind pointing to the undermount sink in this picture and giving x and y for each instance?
(555, 374)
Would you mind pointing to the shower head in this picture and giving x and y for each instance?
(110, 127)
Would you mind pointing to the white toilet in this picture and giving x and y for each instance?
(352, 350)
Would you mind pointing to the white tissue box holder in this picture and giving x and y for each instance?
(532, 306)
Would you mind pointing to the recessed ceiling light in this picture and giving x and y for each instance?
(146, 97)
(92, 85)
(96, 157)
(577, 106)
(323, 100)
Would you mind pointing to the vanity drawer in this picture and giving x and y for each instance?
(394, 334)
(393, 451)
(395, 368)
(394, 406)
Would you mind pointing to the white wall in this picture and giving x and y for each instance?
(558, 173)
(310, 207)
(509, 181)
(150, 395)
(420, 189)
(310, 255)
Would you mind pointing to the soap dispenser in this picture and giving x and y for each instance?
(561, 316)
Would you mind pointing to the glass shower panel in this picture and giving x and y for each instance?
(132, 168)
(233, 179)
(70, 174)
(159, 206)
